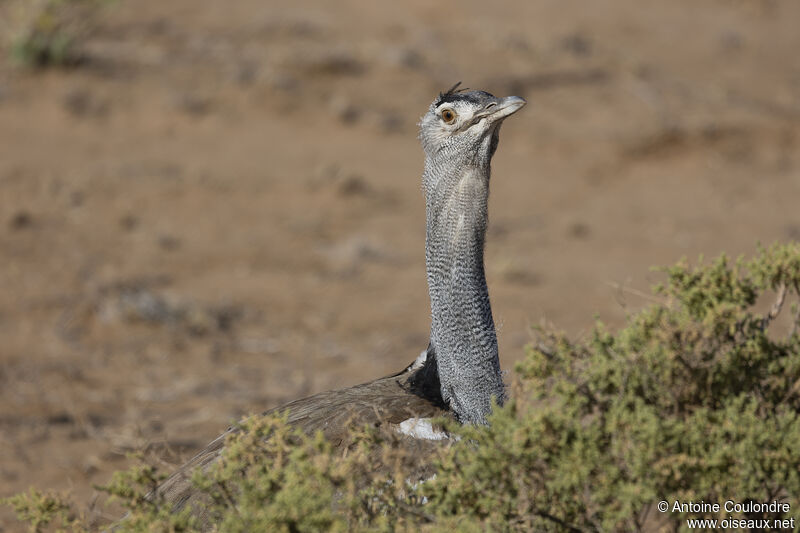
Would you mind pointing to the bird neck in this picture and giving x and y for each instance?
(463, 334)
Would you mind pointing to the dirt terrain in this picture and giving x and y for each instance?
(218, 209)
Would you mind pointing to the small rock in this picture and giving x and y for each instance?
(226, 316)
(9, 475)
(498, 230)
(354, 185)
(731, 41)
(577, 44)
(391, 122)
(520, 276)
(129, 222)
(193, 104)
(345, 110)
(81, 102)
(158, 27)
(169, 243)
(77, 101)
(21, 220)
(62, 418)
(76, 198)
(246, 73)
(334, 63)
(579, 230)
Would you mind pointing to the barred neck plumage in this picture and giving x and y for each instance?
(460, 134)
(462, 328)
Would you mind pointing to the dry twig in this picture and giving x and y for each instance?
(776, 307)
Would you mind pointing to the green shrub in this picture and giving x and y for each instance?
(50, 32)
(40, 509)
(695, 399)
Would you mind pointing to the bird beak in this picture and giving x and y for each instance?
(503, 107)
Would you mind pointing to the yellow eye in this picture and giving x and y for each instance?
(448, 115)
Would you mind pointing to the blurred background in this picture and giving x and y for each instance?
(211, 208)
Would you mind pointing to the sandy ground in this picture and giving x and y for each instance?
(219, 210)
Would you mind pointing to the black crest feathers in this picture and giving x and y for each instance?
(450, 94)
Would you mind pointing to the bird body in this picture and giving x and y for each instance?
(390, 402)
(459, 373)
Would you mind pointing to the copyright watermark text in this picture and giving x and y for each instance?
(728, 508)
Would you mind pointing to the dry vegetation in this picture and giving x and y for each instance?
(696, 399)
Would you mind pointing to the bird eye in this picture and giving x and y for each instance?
(448, 115)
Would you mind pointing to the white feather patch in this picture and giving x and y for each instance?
(419, 361)
(421, 428)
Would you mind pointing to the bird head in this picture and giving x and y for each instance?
(465, 120)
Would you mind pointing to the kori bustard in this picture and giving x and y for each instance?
(459, 373)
